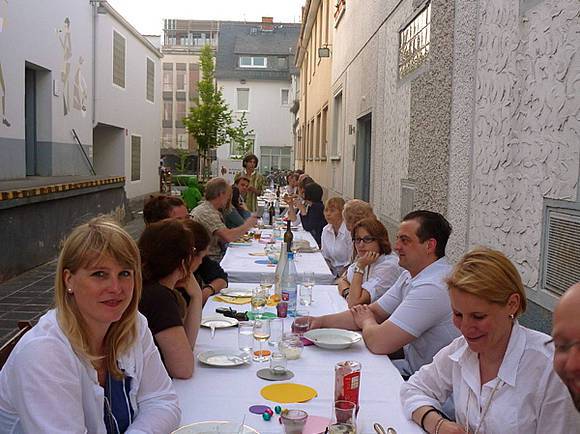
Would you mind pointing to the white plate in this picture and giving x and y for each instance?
(223, 357)
(332, 339)
(237, 292)
(240, 243)
(215, 427)
(218, 321)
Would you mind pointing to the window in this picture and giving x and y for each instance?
(180, 76)
(150, 80)
(317, 137)
(323, 133)
(236, 152)
(243, 98)
(135, 158)
(168, 111)
(193, 79)
(182, 138)
(167, 138)
(253, 62)
(285, 94)
(179, 113)
(275, 157)
(118, 59)
(414, 42)
(337, 126)
(168, 77)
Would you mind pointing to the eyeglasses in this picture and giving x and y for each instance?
(563, 348)
(366, 240)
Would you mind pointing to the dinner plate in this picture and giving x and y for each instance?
(223, 358)
(218, 321)
(332, 339)
(237, 292)
(215, 427)
(240, 243)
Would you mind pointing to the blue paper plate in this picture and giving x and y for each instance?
(262, 262)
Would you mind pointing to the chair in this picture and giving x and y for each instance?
(23, 327)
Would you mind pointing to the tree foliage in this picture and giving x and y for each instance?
(240, 136)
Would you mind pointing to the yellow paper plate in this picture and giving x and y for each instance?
(232, 300)
(287, 393)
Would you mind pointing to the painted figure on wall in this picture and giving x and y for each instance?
(64, 37)
(2, 82)
(80, 89)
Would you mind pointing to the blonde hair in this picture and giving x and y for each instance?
(355, 210)
(336, 203)
(86, 245)
(490, 275)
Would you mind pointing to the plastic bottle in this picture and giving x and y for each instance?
(289, 284)
(265, 215)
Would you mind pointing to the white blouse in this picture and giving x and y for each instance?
(380, 276)
(336, 249)
(526, 396)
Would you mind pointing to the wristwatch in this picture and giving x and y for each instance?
(345, 292)
(213, 291)
(358, 269)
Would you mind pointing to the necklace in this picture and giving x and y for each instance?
(485, 409)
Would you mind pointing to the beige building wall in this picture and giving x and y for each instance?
(312, 153)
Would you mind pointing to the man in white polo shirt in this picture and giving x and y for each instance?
(415, 313)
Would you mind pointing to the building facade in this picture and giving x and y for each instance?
(253, 69)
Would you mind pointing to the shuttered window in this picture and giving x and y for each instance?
(118, 59)
(135, 158)
(150, 80)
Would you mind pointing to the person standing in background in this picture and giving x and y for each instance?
(256, 187)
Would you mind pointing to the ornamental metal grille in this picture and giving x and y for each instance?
(135, 158)
(414, 42)
(118, 59)
(150, 80)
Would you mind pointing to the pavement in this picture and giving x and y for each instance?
(28, 296)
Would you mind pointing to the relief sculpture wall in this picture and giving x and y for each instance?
(526, 124)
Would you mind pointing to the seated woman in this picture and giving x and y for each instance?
(167, 253)
(355, 210)
(231, 216)
(296, 202)
(499, 373)
(336, 239)
(90, 364)
(311, 211)
(375, 267)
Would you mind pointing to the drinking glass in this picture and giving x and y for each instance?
(257, 234)
(276, 331)
(258, 301)
(267, 281)
(246, 336)
(278, 363)
(293, 421)
(306, 289)
(301, 321)
(261, 334)
(343, 419)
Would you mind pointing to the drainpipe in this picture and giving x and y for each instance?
(95, 5)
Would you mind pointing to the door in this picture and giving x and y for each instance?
(30, 120)
(362, 172)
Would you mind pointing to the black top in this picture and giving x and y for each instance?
(160, 306)
(237, 199)
(314, 220)
(208, 271)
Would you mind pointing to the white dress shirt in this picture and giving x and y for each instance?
(380, 276)
(529, 396)
(420, 305)
(46, 388)
(336, 249)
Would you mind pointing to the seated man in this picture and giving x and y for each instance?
(210, 275)
(415, 313)
(208, 214)
(566, 335)
(239, 190)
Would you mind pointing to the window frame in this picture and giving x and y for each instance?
(148, 62)
(124, 86)
(140, 158)
(238, 109)
(252, 62)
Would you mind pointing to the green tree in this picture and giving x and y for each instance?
(210, 120)
(181, 166)
(240, 136)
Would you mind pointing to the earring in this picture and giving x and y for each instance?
(512, 316)
(69, 290)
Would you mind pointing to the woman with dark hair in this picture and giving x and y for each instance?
(375, 267)
(256, 188)
(168, 256)
(311, 212)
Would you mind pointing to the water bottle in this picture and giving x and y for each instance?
(265, 214)
(277, 208)
(289, 284)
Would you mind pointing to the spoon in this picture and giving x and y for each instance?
(212, 330)
(380, 430)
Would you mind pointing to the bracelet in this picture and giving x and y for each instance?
(345, 292)
(213, 291)
(431, 410)
(439, 423)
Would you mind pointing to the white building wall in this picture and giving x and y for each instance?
(128, 108)
(270, 120)
(526, 126)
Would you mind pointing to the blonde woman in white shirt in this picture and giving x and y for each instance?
(375, 268)
(499, 373)
(336, 238)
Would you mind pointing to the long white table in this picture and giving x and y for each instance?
(243, 267)
(227, 393)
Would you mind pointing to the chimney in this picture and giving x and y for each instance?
(267, 24)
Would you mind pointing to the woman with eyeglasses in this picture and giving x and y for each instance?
(375, 267)
(499, 373)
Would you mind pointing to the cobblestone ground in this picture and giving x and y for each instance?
(29, 295)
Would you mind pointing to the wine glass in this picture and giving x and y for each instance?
(266, 282)
(261, 334)
(258, 301)
(306, 290)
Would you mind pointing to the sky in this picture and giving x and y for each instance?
(147, 15)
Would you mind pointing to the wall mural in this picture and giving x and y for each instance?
(526, 126)
(80, 89)
(64, 36)
(5, 121)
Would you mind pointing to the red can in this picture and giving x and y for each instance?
(347, 381)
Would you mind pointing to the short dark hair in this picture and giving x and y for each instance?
(305, 181)
(377, 230)
(241, 178)
(159, 207)
(431, 225)
(249, 158)
(313, 192)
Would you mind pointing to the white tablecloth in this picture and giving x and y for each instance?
(227, 393)
(243, 267)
